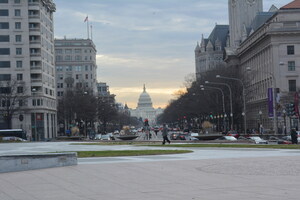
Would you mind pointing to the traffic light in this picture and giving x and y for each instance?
(290, 109)
(211, 116)
(146, 123)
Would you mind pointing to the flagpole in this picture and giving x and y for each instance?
(88, 29)
(91, 32)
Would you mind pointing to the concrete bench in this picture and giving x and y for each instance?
(13, 163)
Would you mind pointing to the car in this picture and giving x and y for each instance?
(228, 138)
(192, 136)
(97, 137)
(177, 136)
(174, 135)
(284, 142)
(13, 138)
(182, 136)
(233, 133)
(289, 138)
(258, 140)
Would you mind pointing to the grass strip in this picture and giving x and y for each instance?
(197, 145)
(264, 146)
(118, 143)
(85, 154)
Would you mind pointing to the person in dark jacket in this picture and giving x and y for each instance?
(294, 136)
(165, 134)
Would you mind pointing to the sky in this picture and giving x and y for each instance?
(141, 42)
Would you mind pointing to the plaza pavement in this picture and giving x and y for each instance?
(206, 174)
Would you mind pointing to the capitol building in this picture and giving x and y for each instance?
(145, 110)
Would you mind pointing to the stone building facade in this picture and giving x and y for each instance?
(27, 56)
(145, 110)
(209, 54)
(266, 54)
(75, 65)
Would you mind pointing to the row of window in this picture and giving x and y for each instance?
(5, 12)
(61, 85)
(6, 1)
(6, 38)
(7, 64)
(70, 51)
(70, 58)
(74, 68)
(78, 76)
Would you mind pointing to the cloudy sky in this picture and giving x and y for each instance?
(140, 42)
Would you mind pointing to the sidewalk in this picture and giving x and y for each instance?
(266, 178)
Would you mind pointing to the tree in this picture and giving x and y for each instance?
(194, 103)
(77, 106)
(107, 111)
(12, 99)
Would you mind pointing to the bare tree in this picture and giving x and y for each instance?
(107, 111)
(12, 98)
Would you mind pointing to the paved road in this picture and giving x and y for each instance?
(206, 174)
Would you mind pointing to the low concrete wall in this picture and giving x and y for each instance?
(13, 163)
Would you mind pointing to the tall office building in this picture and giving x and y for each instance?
(75, 65)
(27, 67)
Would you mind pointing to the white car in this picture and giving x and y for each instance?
(228, 138)
(13, 138)
(258, 140)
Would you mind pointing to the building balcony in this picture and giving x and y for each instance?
(37, 16)
(35, 41)
(36, 80)
(35, 54)
(35, 29)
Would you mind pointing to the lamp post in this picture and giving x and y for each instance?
(244, 98)
(230, 97)
(284, 118)
(273, 98)
(223, 101)
(34, 90)
(260, 122)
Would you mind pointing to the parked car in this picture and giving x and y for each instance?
(192, 136)
(258, 140)
(288, 137)
(174, 135)
(228, 138)
(233, 133)
(13, 138)
(97, 137)
(284, 142)
(182, 136)
(177, 136)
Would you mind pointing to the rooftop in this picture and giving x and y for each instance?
(293, 5)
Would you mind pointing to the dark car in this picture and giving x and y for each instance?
(182, 136)
(174, 135)
(177, 136)
(284, 142)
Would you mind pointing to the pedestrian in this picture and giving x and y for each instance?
(294, 136)
(165, 134)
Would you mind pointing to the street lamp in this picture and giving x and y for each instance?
(230, 96)
(273, 98)
(244, 98)
(223, 101)
(284, 116)
(260, 122)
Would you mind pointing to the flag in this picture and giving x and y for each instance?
(86, 19)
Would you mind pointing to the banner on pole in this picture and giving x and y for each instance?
(270, 102)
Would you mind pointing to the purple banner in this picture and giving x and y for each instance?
(270, 102)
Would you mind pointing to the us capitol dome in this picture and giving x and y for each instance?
(145, 108)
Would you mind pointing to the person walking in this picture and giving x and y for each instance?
(294, 136)
(165, 134)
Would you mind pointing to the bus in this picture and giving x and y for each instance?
(13, 133)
